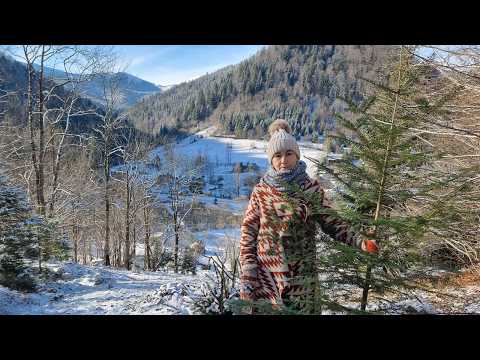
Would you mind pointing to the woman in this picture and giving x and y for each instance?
(277, 245)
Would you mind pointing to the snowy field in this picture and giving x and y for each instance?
(214, 240)
(75, 289)
(215, 148)
(99, 290)
(222, 153)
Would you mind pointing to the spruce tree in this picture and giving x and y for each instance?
(386, 188)
(16, 243)
(383, 178)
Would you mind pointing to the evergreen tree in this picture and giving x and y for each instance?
(16, 241)
(387, 190)
(53, 244)
(382, 179)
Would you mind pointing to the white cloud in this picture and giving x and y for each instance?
(167, 76)
(144, 61)
(143, 55)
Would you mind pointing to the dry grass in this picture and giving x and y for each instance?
(470, 276)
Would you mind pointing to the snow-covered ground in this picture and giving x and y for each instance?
(99, 290)
(216, 149)
(215, 240)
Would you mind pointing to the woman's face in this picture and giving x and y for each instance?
(284, 160)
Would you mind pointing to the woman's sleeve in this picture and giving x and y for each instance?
(337, 229)
(248, 249)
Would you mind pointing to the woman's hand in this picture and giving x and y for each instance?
(370, 245)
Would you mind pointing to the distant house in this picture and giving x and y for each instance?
(239, 168)
(242, 168)
(253, 167)
(334, 160)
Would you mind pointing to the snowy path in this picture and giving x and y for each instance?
(101, 290)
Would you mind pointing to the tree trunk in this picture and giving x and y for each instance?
(32, 133)
(368, 274)
(106, 166)
(89, 250)
(41, 147)
(33, 149)
(56, 156)
(51, 203)
(175, 229)
(176, 251)
(84, 250)
(118, 263)
(75, 243)
(134, 249)
(146, 219)
(127, 224)
(174, 202)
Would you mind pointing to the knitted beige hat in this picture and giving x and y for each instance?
(281, 139)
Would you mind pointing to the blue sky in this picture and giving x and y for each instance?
(169, 64)
(173, 64)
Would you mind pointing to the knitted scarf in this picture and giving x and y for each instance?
(280, 179)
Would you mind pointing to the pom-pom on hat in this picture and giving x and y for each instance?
(281, 139)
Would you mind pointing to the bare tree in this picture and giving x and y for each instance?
(237, 171)
(111, 123)
(77, 211)
(79, 65)
(51, 103)
(53, 99)
(147, 216)
(132, 154)
(147, 200)
(179, 176)
(455, 76)
(226, 267)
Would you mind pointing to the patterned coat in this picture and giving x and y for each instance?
(277, 243)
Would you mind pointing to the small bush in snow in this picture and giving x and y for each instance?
(188, 261)
(221, 294)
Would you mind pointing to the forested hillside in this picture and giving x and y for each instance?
(130, 88)
(301, 83)
(14, 82)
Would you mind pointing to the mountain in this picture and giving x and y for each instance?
(165, 87)
(301, 83)
(13, 77)
(86, 113)
(13, 74)
(131, 88)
